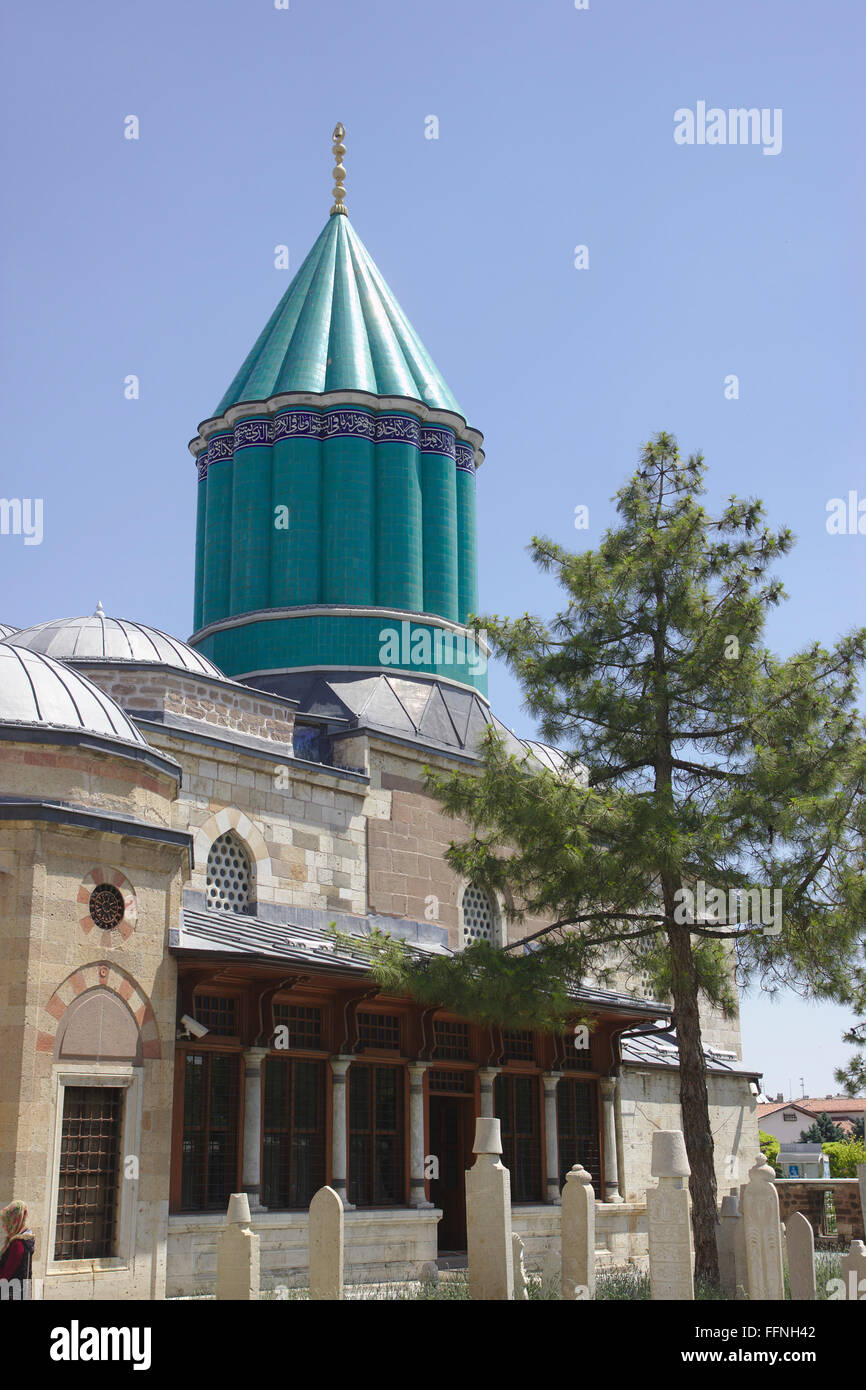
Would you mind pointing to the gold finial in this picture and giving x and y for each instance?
(339, 171)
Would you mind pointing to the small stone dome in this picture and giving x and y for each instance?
(100, 638)
(34, 689)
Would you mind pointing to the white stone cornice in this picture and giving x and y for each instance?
(333, 400)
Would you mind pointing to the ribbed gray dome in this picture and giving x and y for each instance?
(7, 631)
(34, 689)
(100, 638)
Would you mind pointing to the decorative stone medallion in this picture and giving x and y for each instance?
(107, 899)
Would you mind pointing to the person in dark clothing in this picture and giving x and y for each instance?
(16, 1253)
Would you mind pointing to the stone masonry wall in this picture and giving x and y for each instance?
(806, 1195)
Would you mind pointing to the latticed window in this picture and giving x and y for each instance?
(445, 1082)
(451, 1040)
(88, 1191)
(209, 1164)
(640, 980)
(379, 1030)
(217, 1013)
(577, 1128)
(479, 919)
(293, 1133)
(229, 876)
(303, 1024)
(575, 1058)
(518, 1110)
(376, 1128)
(519, 1045)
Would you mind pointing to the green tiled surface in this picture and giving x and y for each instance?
(218, 539)
(399, 564)
(252, 525)
(296, 553)
(200, 525)
(467, 551)
(348, 564)
(329, 641)
(439, 489)
(369, 524)
(339, 327)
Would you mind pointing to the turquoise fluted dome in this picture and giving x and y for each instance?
(339, 327)
(336, 493)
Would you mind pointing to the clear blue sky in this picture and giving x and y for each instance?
(156, 257)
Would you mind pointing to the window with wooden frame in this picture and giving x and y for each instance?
(210, 1130)
(575, 1058)
(441, 1081)
(89, 1184)
(303, 1024)
(380, 1032)
(293, 1131)
(450, 1040)
(518, 1044)
(218, 1013)
(377, 1158)
(517, 1107)
(577, 1128)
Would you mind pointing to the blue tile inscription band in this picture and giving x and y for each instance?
(336, 424)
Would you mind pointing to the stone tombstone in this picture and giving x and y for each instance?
(728, 1246)
(669, 1223)
(488, 1217)
(521, 1289)
(238, 1256)
(578, 1235)
(854, 1271)
(764, 1267)
(326, 1245)
(800, 1246)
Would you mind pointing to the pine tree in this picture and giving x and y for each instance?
(823, 1131)
(696, 760)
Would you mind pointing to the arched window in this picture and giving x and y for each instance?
(478, 916)
(229, 876)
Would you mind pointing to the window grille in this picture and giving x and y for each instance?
(451, 1040)
(575, 1058)
(106, 906)
(450, 1081)
(229, 877)
(293, 1132)
(478, 915)
(88, 1192)
(577, 1128)
(379, 1030)
(518, 1110)
(519, 1045)
(376, 1129)
(209, 1165)
(304, 1025)
(217, 1013)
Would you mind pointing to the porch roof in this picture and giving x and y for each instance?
(244, 937)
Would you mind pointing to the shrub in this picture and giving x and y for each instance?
(844, 1157)
(769, 1148)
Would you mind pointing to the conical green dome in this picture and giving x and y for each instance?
(338, 327)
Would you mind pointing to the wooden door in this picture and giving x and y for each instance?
(450, 1126)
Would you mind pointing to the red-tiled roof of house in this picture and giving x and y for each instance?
(773, 1105)
(851, 1105)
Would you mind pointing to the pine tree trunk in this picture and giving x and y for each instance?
(694, 1104)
